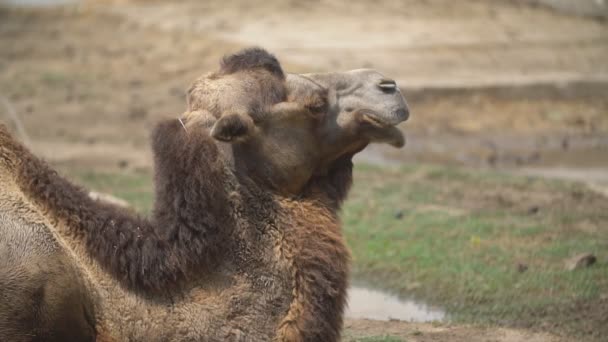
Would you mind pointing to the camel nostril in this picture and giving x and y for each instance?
(402, 114)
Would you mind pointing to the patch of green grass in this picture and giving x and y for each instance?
(61, 78)
(54, 78)
(455, 237)
(135, 188)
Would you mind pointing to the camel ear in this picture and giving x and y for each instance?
(232, 128)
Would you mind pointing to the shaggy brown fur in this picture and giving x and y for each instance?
(191, 213)
(251, 59)
(188, 224)
(261, 84)
(244, 243)
(319, 290)
(191, 223)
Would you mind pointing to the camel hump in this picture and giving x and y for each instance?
(251, 58)
(46, 297)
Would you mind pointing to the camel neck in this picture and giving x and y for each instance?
(190, 222)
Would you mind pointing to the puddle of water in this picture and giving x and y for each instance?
(36, 3)
(366, 303)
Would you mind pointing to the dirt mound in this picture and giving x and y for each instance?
(422, 332)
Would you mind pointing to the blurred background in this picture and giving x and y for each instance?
(492, 222)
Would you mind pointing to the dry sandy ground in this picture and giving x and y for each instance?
(89, 81)
(105, 73)
(420, 43)
(423, 332)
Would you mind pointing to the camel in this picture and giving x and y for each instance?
(244, 242)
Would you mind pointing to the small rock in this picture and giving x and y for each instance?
(492, 159)
(534, 157)
(521, 267)
(413, 286)
(577, 194)
(123, 163)
(580, 261)
(135, 83)
(177, 92)
(137, 112)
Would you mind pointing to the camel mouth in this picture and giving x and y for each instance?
(381, 130)
(374, 120)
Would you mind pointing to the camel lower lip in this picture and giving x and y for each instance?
(396, 137)
(387, 135)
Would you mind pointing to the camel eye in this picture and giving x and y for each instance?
(387, 85)
(317, 104)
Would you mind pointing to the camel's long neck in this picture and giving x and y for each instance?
(190, 182)
(147, 254)
(321, 263)
(319, 259)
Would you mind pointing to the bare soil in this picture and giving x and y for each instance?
(89, 85)
(438, 332)
(88, 81)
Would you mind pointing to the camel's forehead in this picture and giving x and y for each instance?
(355, 83)
(355, 74)
(360, 78)
(365, 74)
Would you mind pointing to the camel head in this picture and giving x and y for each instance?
(320, 119)
(363, 106)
